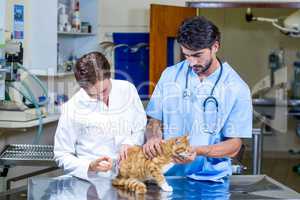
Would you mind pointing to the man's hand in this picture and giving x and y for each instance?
(101, 164)
(123, 152)
(191, 157)
(152, 148)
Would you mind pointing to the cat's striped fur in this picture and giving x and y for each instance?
(136, 168)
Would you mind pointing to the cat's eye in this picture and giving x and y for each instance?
(177, 142)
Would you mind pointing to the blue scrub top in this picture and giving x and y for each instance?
(181, 116)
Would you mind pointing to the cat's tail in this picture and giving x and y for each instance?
(130, 184)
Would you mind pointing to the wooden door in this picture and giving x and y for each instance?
(164, 23)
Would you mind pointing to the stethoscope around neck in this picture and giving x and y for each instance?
(187, 93)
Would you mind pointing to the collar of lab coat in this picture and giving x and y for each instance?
(86, 100)
(86, 97)
(115, 102)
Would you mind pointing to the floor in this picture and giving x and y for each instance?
(280, 169)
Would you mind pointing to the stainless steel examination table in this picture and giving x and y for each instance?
(236, 187)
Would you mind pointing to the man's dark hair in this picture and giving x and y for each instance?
(90, 68)
(197, 33)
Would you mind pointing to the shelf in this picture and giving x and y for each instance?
(61, 74)
(75, 34)
(28, 124)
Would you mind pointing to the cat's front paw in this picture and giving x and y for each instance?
(166, 187)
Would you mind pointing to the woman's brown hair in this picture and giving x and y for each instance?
(90, 68)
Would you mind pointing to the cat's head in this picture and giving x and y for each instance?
(179, 146)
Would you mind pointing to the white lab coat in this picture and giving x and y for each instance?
(88, 129)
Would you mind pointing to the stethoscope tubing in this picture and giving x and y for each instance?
(210, 98)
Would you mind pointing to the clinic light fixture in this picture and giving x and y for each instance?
(289, 25)
(108, 45)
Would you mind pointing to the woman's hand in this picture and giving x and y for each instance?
(101, 164)
(123, 152)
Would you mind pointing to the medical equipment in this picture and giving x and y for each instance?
(13, 111)
(28, 95)
(13, 57)
(13, 155)
(27, 155)
(23, 88)
(296, 81)
(276, 61)
(187, 93)
(110, 46)
(2, 55)
(3, 72)
(290, 25)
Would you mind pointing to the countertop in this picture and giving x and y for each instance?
(235, 187)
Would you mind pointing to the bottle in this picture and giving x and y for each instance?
(63, 18)
(77, 6)
(76, 17)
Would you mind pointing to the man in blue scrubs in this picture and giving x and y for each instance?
(204, 98)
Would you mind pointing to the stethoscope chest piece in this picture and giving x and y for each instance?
(186, 93)
(210, 104)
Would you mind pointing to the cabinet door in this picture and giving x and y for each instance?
(164, 22)
(40, 35)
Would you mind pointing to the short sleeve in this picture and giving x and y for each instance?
(155, 105)
(239, 121)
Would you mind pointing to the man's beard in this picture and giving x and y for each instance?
(200, 69)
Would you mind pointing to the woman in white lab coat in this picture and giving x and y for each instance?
(99, 122)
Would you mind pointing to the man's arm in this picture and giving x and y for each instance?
(227, 148)
(153, 129)
(153, 138)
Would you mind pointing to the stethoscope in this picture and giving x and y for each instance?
(210, 99)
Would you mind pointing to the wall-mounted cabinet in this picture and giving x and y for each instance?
(46, 46)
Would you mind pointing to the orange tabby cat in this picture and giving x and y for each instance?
(136, 168)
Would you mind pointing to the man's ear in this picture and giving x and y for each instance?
(215, 47)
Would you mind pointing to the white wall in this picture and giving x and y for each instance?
(2, 13)
(2, 24)
(127, 16)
